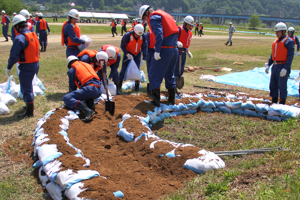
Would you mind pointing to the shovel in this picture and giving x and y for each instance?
(179, 79)
(109, 105)
(250, 151)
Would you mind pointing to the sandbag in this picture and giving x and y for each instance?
(112, 88)
(3, 109)
(73, 192)
(132, 72)
(47, 153)
(7, 99)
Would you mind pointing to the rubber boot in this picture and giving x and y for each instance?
(226, 43)
(90, 104)
(119, 86)
(45, 48)
(6, 39)
(86, 111)
(230, 44)
(155, 96)
(148, 90)
(275, 100)
(172, 95)
(42, 49)
(28, 112)
(137, 86)
(282, 101)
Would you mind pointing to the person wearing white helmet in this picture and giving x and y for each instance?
(14, 32)
(185, 36)
(231, 30)
(36, 16)
(114, 58)
(200, 30)
(124, 23)
(31, 20)
(133, 44)
(162, 66)
(113, 25)
(281, 58)
(70, 34)
(5, 25)
(84, 86)
(196, 28)
(41, 31)
(291, 34)
(25, 51)
(14, 13)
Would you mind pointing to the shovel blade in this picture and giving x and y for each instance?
(110, 107)
(179, 82)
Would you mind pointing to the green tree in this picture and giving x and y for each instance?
(254, 21)
(11, 6)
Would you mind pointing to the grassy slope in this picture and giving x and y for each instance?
(270, 176)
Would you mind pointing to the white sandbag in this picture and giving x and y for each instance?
(72, 115)
(143, 79)
(3, 109)
(65, 124)
(68, 178)
(52, 167)
(132, 72)
(37, 90)
(8, 85)
(87, 42)
(208, 161)
(55, 191)
(43, 177)
(73, 192)
(39, 141)
(128, 136)
(7, 99)
(47, 153)
(208, 78)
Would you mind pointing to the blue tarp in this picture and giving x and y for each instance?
(258, 79)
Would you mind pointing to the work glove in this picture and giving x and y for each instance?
(4, 24)
(297, 79)
(142, 63)
(87, 42)
(7, 71)
(49, 33)
(129, 56)
(179, 44)
(190, 54)
(267, 68)
(157, 56)
(283, 72)
(37, 34)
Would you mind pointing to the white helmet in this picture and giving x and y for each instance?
(189, 20)
(3, 11)
(102, 56)
(18, 19)
(139, 29)
(40, 14)
(111, 52)
(71, 58)
(142, 10)
(280, 27)
(25, 13)
(14, 13)
(291, 29)
(74, 14)
(230, 22)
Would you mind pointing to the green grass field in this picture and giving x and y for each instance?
(264, 176)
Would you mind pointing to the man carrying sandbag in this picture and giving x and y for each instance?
(282, 57)
(83, 76)
(25, 50)
(132, 44)
(162, 66)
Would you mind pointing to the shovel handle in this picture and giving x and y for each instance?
(180, 54)
(105, 83)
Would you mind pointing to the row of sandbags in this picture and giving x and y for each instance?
(10, 91)
(50, 174)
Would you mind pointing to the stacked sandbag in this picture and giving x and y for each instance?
(51, 175)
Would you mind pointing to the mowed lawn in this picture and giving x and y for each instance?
(266, 176)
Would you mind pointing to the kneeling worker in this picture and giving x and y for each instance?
(82, 76)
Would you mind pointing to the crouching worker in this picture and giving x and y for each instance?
(25, 51)
(82, 76)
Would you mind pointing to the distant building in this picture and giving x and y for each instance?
(42, 8)
(247, 12)
(177, 10)
(197, 10)
(221, 11)
(278, 13)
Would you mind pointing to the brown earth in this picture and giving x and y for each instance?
(131, 167)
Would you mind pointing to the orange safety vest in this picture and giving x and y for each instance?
(84, 73)
(32, 50)
(167, 21)
(28, 25)
(197, 25)
(279, 52)
(132, 24)
(130, 30)
(43, 24)
(31, 21)
(4, 19)
(136, 23)
(113, 24)
(123, 23)
(37, 19)
(77, 33)
(293, 38)
(151, 39)
(185, 37)
(201, 27)
(90, 53)
(111, 61)
(134, 46)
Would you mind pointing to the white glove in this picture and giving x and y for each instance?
(297, 79)
(283, 72)
(4, 24)
(7, 71)
(37, 34)
(179, 44)
(142, 63)
(190, 54)
(129, 56)
(157, 56)
(267, 68)
(87, 42)
(49, 33)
